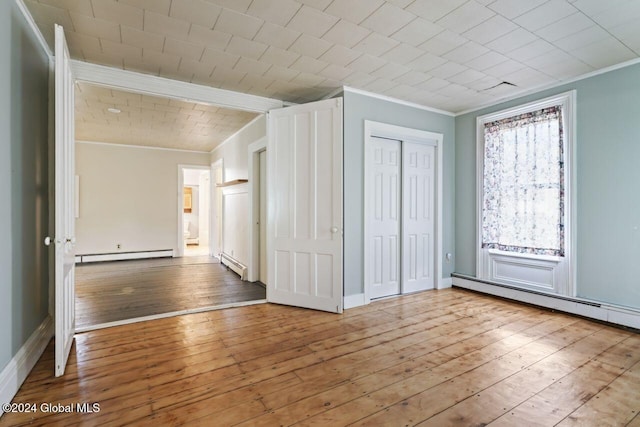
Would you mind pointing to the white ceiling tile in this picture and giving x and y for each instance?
(237, 5)
(276, 35)
(346, 33)
(358, 79)
(628, 33)
(594, 7)
(126, 51)
(417, 32)
(483, 83)
(111, 10)
(340, 55)
(453, 90)
(226, 77)
(246, 65)
(367, 63)
(465, 17)
(78, 6)
(545, 14)
(604, 53)
(280, 15)
(390, 71)
(376, 44)
(99, 28)
(336, 72)
(354, 11)
(433, 84)
(309, 65)
(111, 61)
(490, 29)
(411, 78)
(210, 38)
(243, 47)
(427, 62)
(466, 77)
(312, 21)
(257, 81)
(619, 13)
(403, 54)
(196, 11)
(504, 68)
(387, 19)
(318, 4)
(184, 49)
(165, 25)
(527, 77)
(164, 60)
(512, 41)
(310, 79)
(276, 56)
(564, 27)
(84, 43)
(566, 69)
(196, 69)
(310, 46)
(214, 57)
(511, 9)
(238, 24)
(380, 85)
(280, 73)
(487, 60)
(582, 38)
(159, 6)
(444, 42)
(466, 52)
(531, 50)
(401, 91)
(447, 70)
(432, 10)
(145, 40)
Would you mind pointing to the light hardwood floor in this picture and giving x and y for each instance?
(440, 358)
(112, 291)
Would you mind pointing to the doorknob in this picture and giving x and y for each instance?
(334, 230)
(47, 241)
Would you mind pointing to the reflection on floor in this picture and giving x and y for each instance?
(120, 290)
(196, 250)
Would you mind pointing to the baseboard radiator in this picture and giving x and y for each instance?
(121, 256)
(234, 265)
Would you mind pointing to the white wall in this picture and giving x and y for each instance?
(129, 196)
(234, 153)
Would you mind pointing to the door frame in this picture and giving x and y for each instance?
(400, 133)
(253, 154)
(181, 168)
(215, 233)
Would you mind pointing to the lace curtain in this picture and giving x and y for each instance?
(523, 206)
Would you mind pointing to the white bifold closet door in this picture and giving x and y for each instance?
(384, 217)
(400, 199)
(418, 223)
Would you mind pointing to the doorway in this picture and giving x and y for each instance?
(402, 201)
(194, 218)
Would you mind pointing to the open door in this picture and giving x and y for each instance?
(65, 320)
(304, 243)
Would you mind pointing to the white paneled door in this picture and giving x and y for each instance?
(64, 204)
(305, 218)
(418, 223)
(383, 209)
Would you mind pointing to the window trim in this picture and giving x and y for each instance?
(567, 101)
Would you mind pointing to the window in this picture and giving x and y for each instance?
(524, 188)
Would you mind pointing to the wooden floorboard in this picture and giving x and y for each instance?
(112, 291)
(440, 358)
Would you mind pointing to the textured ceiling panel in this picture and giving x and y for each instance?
(152, 121)
(439, 53)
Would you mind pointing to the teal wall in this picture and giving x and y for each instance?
(24, 210)
(608, 185)
(357, 109)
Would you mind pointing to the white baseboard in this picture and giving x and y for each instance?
(351, 301)
(16, 371)
(167, 253)
(599, 311)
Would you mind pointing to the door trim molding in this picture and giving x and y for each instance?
(253, 154)
(385, 130)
